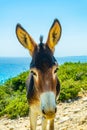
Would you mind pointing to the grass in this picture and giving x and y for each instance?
(13, 102)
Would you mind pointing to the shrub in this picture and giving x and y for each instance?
(18, 82)
(17, 107)
(73, 78)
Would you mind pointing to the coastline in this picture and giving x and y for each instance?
(13, 66)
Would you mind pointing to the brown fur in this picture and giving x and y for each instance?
(43, 85)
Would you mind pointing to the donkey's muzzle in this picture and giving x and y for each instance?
(48, 105)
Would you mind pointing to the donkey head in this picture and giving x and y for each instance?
(43, 68)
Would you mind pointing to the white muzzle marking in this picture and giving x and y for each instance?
(48, 103)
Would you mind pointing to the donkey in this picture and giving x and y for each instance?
(43, 86)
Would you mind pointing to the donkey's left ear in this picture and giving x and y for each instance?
(25, 39)
(54, 35)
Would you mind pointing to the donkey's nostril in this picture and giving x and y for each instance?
(55, 109)
(43, 111)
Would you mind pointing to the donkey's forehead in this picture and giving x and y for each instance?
(42, 57)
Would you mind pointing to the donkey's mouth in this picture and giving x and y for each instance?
(49, 116)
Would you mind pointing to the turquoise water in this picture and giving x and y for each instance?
(10, 67)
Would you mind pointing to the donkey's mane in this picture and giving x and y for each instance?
(42, 58)
(41, 39)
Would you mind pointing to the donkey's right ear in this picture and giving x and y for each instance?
(25, 39)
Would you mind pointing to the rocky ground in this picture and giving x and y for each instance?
(71, 115)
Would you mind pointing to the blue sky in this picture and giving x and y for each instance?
(36, 17)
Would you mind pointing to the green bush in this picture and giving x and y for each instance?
(18, 82)
(13, 100)
(69, 90)
(17, 107)
(73, 78)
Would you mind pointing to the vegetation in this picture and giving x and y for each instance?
(13, 102)
(73, 78)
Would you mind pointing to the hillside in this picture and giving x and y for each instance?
(71, 115)
(13, 103)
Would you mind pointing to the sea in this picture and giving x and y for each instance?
(11, 67)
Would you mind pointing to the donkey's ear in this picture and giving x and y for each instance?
(54, 35)
(30, 86)
(58, 87)
(25, 39)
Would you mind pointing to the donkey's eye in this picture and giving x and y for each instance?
(55, 71)
(33, 73)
